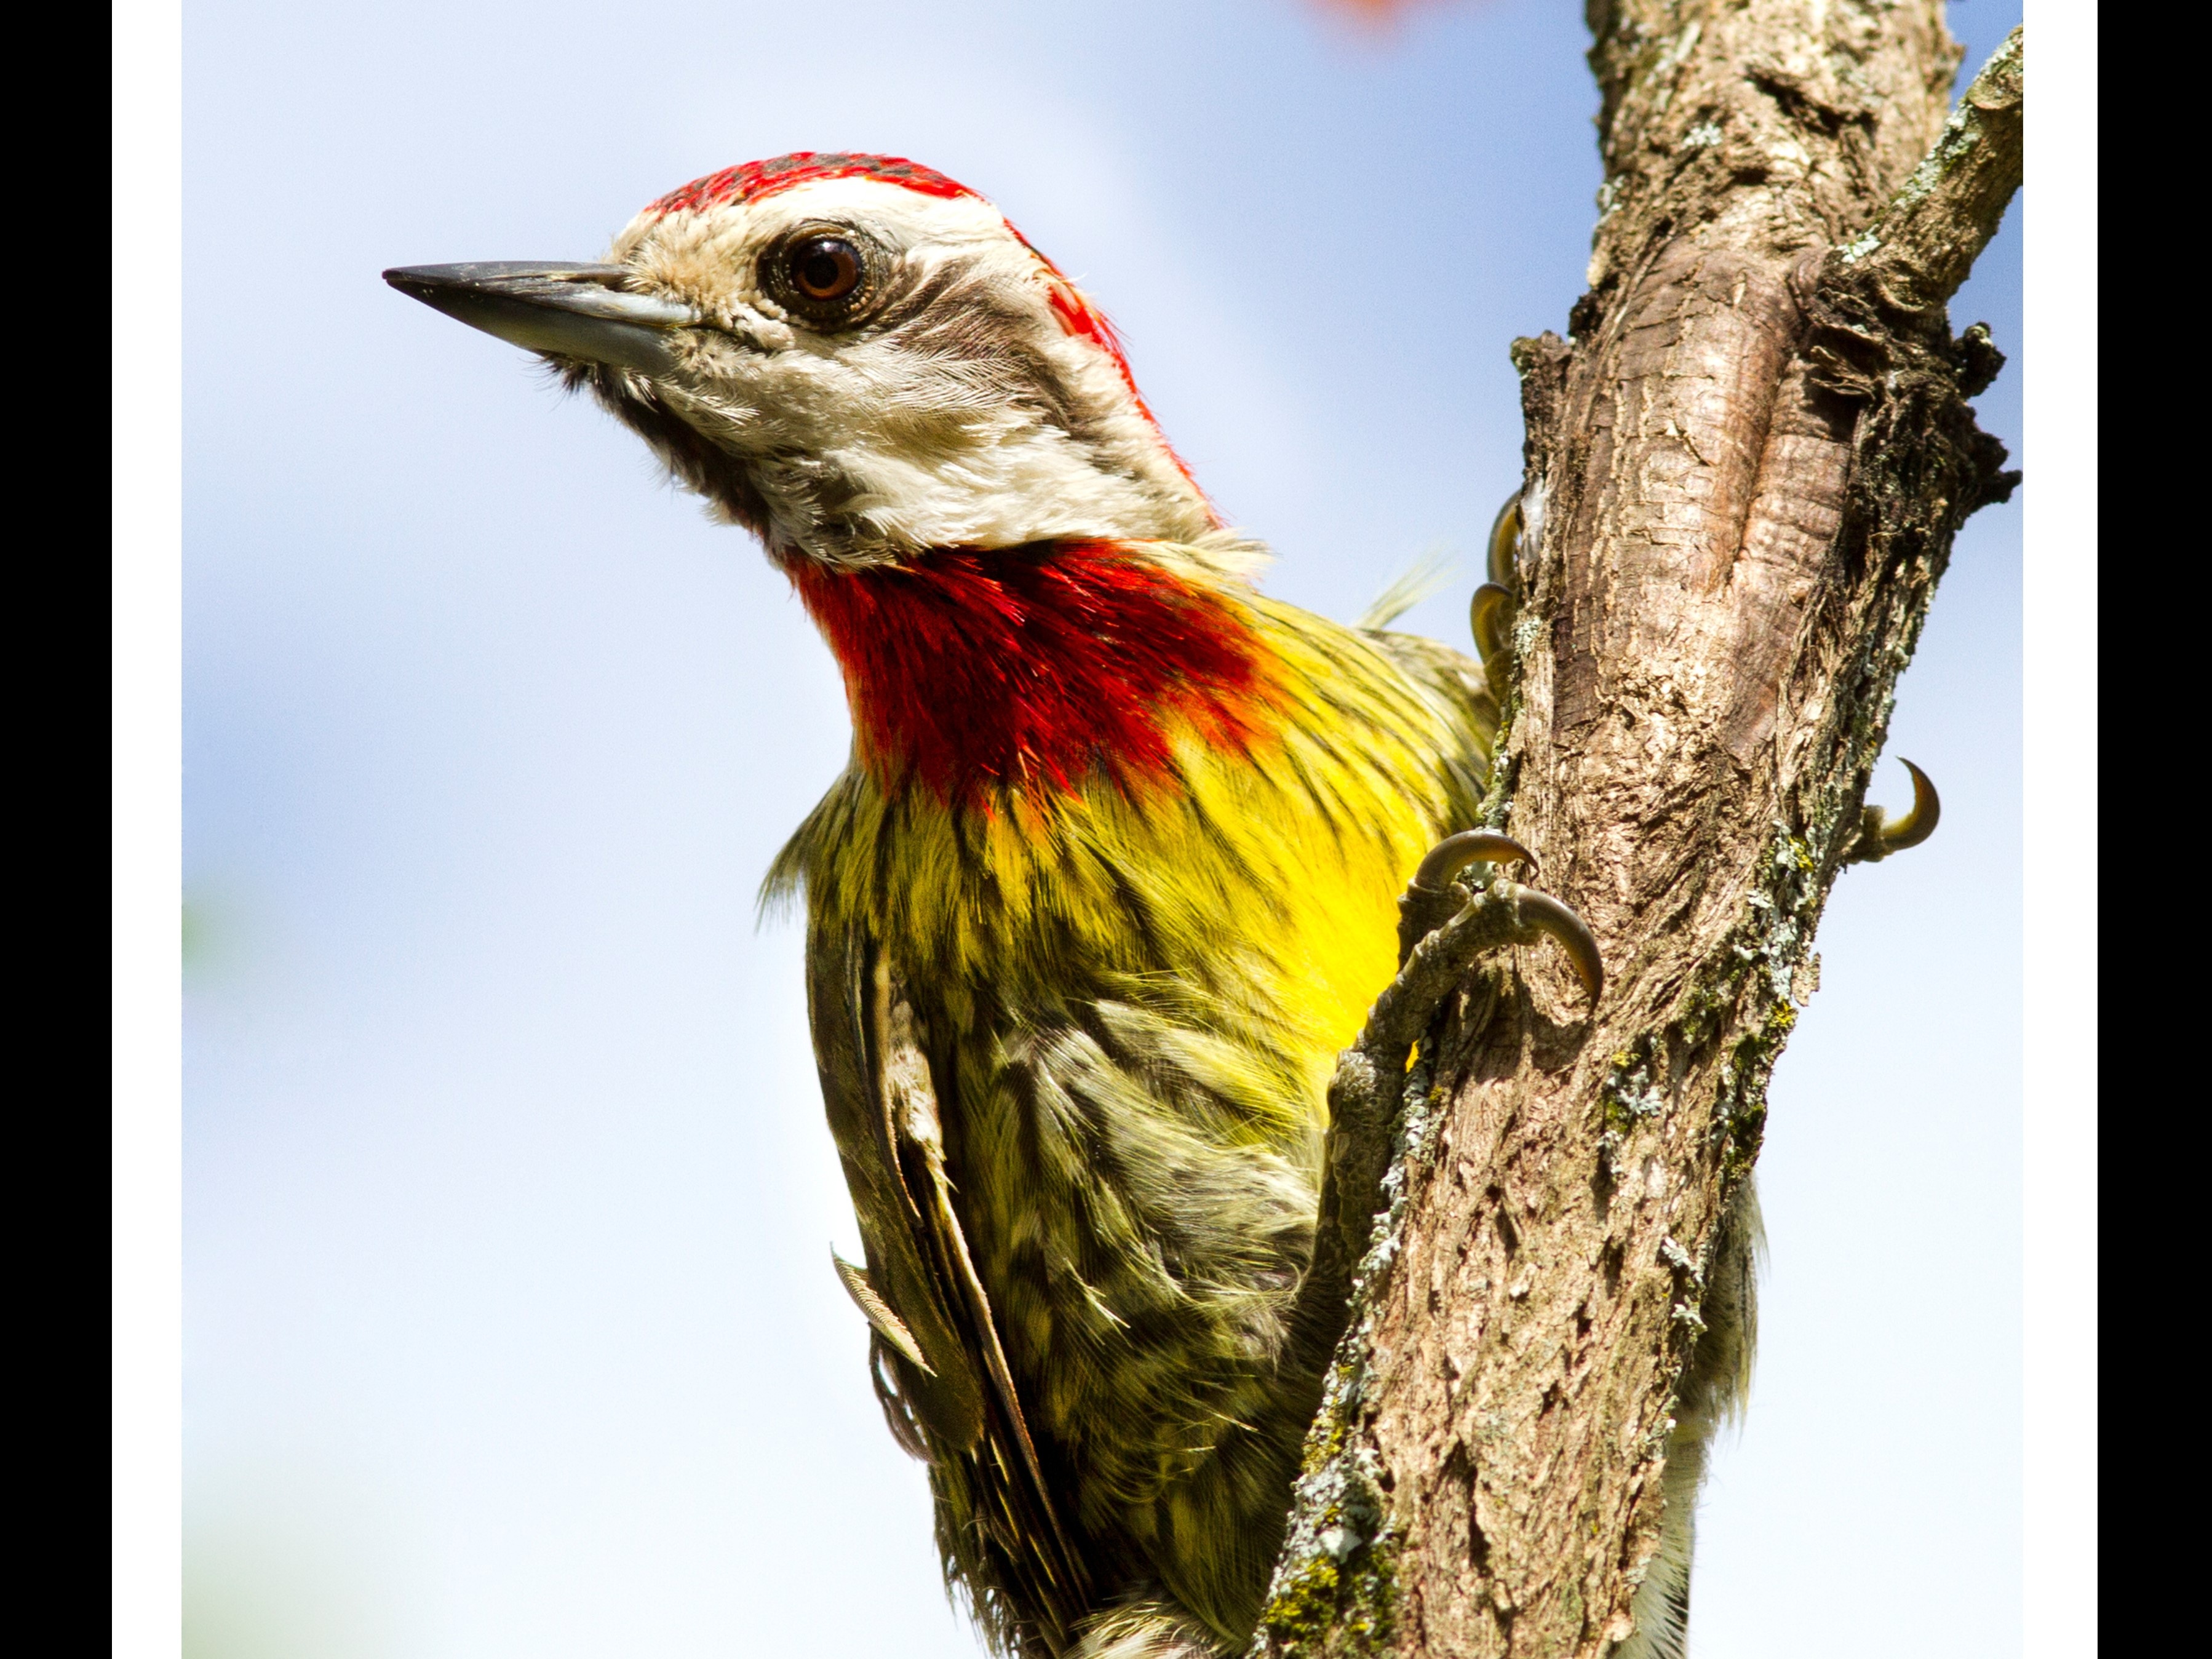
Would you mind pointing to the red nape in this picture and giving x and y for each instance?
(1077, 317)
(1027, 668)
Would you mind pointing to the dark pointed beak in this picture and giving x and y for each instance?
(564, 310)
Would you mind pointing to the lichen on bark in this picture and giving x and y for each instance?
(1334, 1591)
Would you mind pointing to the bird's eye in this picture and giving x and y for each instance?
(825, 269)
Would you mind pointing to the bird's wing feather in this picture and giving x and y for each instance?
(943, 1392)
(952, 1399)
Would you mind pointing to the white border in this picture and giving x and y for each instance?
(146, 503)
(2059, 1262)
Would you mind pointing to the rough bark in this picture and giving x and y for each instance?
(1744, 472)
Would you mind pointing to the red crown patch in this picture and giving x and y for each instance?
(754, 180)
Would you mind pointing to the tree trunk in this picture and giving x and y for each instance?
(1744, 472)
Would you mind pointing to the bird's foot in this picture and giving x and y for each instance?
(1880, 834)
(1443, 927)
(1514, 915)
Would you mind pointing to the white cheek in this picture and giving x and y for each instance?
(730, 424)
(923, 451)
(926, 461)
(995, 482)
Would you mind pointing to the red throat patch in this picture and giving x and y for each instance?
(1028, 669)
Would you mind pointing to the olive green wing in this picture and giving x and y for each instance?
(939, 1367)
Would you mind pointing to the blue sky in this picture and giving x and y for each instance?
(509, 1204)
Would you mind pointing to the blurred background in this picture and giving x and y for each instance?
(511, 1325)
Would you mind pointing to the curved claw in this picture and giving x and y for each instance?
(1455, 853)
(1546, 915)
(1916, 825)
(1425, 904)
(1486, 618)
(1880, 835)
(1504, 535)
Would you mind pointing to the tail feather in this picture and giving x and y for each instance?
(1712, 1393)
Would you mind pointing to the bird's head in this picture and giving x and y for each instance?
(853, 356)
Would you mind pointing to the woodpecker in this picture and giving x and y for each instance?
(1113, 875)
